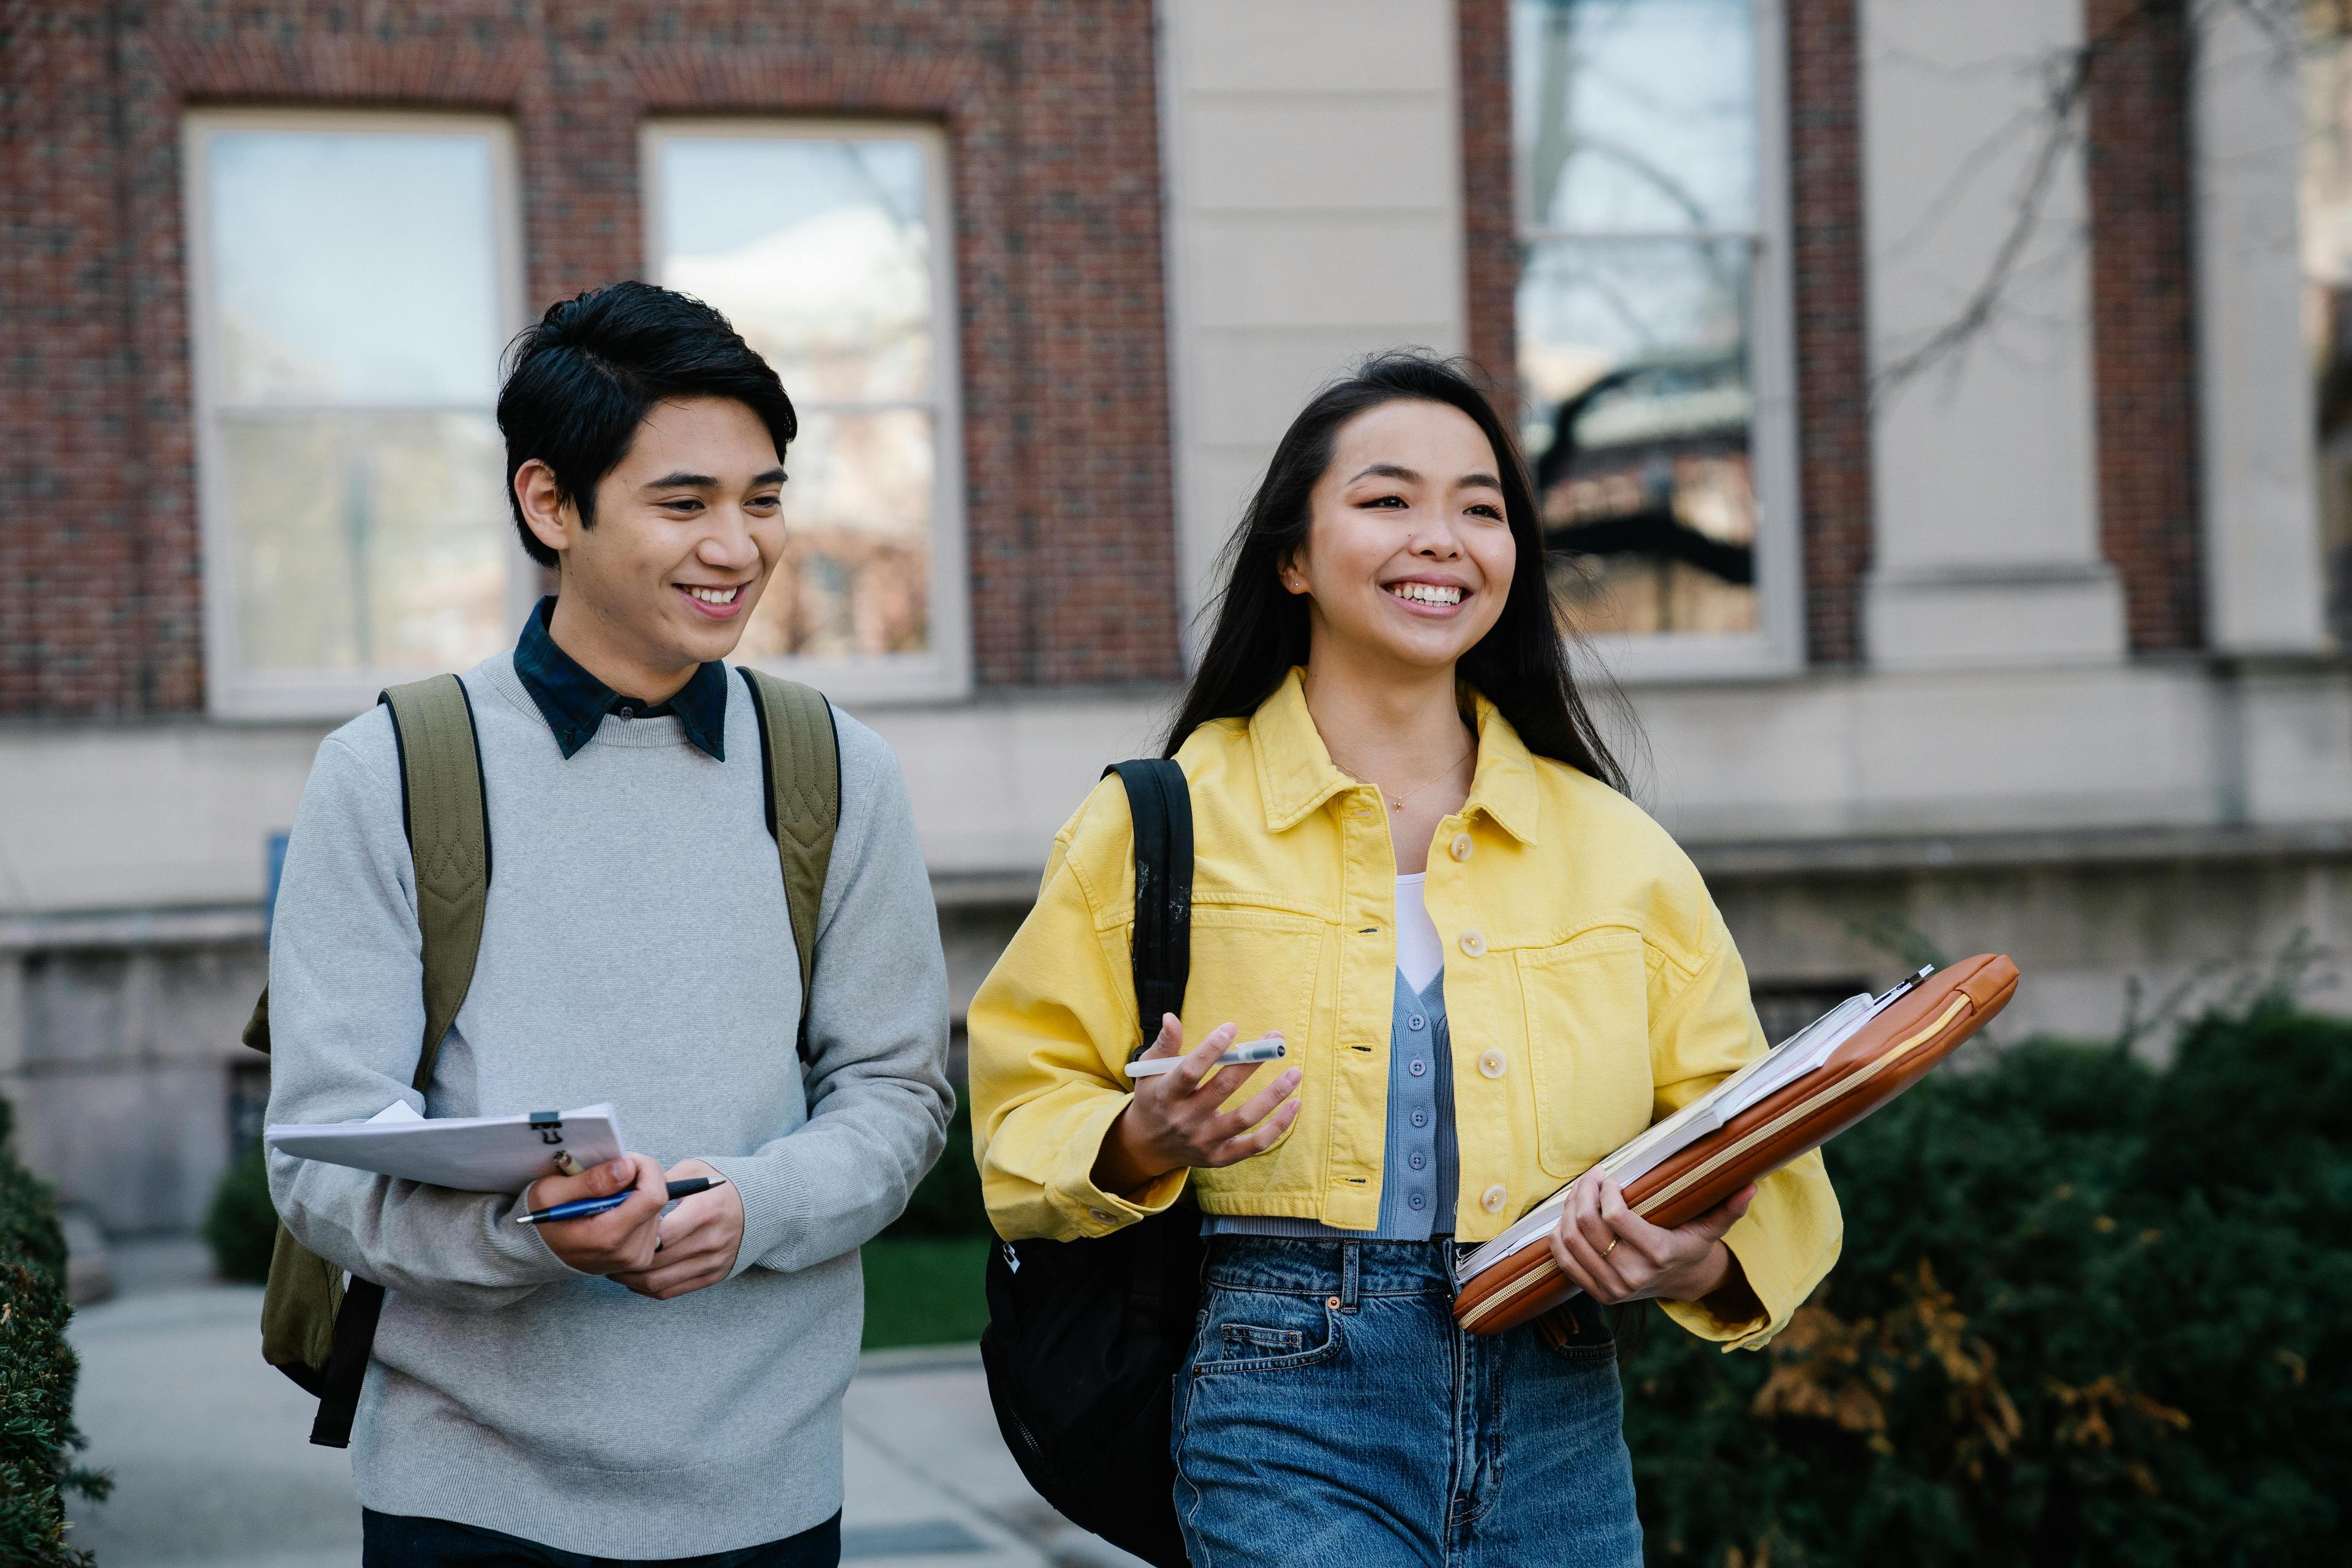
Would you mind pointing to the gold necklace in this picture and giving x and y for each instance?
(1396, 801)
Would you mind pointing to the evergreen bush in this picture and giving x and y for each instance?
(37, 1438)
(241, 1222)
(2088, 1312)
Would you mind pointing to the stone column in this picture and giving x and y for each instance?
(1986, 544)
(2263, 590)
(1313, 181)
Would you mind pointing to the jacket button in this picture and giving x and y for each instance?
(1491, 1063)
(1101, 1216)
(1461, 847)
(1472, 943)
(1492, 1198)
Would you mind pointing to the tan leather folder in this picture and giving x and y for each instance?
(1887, 1056)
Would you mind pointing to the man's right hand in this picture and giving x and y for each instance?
(618, 1240)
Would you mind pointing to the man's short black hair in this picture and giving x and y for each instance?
(580, 382)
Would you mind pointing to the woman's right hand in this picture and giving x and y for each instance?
(1174, 1120)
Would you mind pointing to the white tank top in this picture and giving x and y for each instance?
(1420, 955)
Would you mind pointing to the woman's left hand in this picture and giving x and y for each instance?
(1617, 1255)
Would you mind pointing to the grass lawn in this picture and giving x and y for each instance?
(925, 1291)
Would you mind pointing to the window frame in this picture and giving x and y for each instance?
(231, 691)
(1776, 647)
(944, 671)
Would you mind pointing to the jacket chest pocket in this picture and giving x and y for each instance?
(1258, 972)
(1588, 1017)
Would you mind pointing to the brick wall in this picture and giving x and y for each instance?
(2144, 354)
(1490, 239)
(1049, 108)
(1832, 345)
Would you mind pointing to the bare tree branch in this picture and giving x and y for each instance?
(2061, 116)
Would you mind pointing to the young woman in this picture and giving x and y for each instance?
(1414, 862)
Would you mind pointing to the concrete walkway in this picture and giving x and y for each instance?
(212, 1469)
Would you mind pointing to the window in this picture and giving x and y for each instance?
(830, 248)
(352, 279)
(2326, 227)
(1653, 318)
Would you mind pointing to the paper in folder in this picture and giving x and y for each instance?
(471, 1153)
(1817, 1083)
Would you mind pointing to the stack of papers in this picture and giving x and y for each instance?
(1799, 1054)
(471, 1153)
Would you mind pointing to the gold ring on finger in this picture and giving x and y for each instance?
(1611, 1247)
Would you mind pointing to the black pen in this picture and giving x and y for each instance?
(582, 1209)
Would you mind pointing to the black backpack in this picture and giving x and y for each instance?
(1084, 1337)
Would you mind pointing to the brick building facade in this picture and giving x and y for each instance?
(1050, 120)
(2023, 650)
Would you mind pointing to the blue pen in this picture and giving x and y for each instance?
(584, 1209)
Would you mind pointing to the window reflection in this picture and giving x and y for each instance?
(2327, 282)
(819, 250)
(1636, 137)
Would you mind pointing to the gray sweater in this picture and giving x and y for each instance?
(636, 949)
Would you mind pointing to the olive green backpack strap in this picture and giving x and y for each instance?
(800, 747)
(446, 808)
(313, 1327)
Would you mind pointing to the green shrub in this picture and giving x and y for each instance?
(924, 1290)
(241, 1223)
(2088, 1312)
(38, 1437)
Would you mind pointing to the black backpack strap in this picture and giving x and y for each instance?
(1160, 802)
(1162, 805)
(445, 809)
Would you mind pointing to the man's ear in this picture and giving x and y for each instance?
(551, 519)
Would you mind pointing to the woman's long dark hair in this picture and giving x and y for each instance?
(1521, 665)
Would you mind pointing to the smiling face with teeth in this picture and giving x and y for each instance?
(1408, 556)
(689, 525)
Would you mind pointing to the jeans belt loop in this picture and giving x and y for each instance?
(1348, 1252)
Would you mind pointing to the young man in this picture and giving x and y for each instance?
(641, 1385)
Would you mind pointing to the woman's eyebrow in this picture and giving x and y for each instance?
(1477, 482)
(1389, 471)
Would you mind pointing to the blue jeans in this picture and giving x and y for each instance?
(405, 1540)
(1330, 1416)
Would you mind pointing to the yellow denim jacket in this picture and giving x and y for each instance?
(1591, 988)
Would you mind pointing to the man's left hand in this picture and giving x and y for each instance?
(700, 1239)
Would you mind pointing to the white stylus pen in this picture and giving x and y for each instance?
(1268, 1050)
